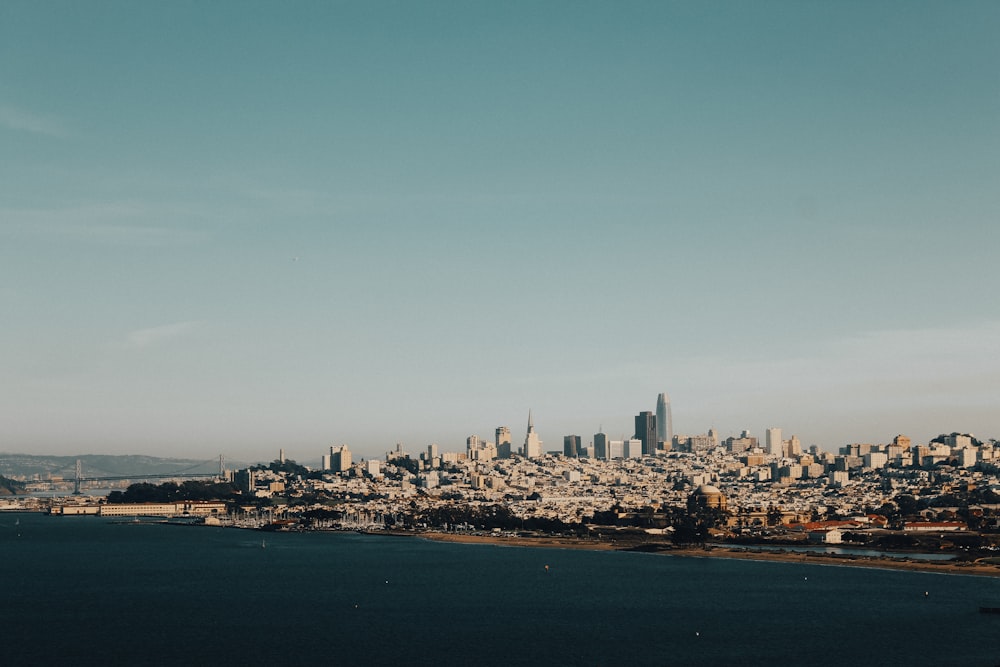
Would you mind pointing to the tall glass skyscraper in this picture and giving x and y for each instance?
(664, 421)
(645, 431)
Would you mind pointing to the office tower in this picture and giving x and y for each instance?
(571, 446)
(773, 441)
(601, 447)
(503, 442)
(616, 449)
(432, 452)
(532, 445)
(664, 421)
(645, 430)
(633, 449)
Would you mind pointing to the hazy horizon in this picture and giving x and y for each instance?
(237, 227)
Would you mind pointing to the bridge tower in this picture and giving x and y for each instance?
(222, 467)
(76, 479)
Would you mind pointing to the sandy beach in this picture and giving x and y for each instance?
(666, 549)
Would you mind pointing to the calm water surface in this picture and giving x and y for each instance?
(87, 591)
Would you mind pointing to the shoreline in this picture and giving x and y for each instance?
(734, 553)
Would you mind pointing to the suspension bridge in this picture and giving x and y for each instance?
(184, 473)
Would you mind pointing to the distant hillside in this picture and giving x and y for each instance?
(9, 487)
(105, 465)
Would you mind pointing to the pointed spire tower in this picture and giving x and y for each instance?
(532, 445)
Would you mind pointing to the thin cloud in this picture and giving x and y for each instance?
(153, 336)
(24, 121)
(117, 223)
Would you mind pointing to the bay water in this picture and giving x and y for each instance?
(92, 591)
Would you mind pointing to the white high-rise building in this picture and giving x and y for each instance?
(616, 449)
(340, 458)
(664, 421)
(632, 448)
(532, 445)
(503, 442)
(773, 442)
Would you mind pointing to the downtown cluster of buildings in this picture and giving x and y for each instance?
(757, 481)
(653, 470)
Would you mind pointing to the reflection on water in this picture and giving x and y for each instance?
(841, 551)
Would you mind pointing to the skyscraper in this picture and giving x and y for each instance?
(664, 421)
(773, 441)
(645, 430)
(601, 447)
(532, 445)
(340, 458)
(503, 442)
(571, 446)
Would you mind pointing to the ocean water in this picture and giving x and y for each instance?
(87, 591)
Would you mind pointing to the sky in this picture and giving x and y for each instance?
(234, 227)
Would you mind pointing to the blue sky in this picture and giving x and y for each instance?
(231, 227)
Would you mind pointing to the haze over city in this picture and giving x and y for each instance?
(233, 227)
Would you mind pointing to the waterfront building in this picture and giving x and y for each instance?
(708, 496)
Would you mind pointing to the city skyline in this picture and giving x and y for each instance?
(241, 227)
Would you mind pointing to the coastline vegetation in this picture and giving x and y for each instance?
(172, 492)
